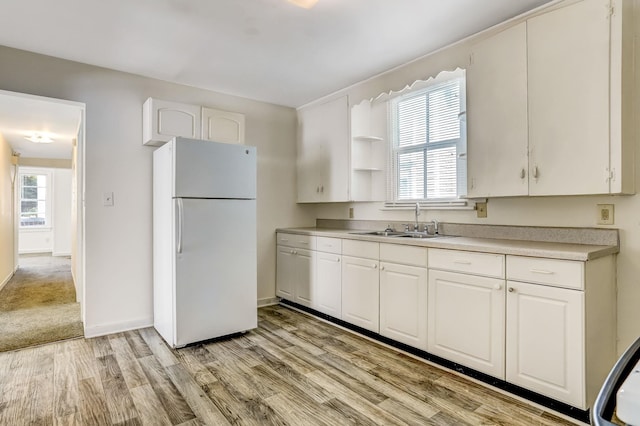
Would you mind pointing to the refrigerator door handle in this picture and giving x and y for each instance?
(180, 214)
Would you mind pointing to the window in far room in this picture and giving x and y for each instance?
(428, 135)
(34, 211)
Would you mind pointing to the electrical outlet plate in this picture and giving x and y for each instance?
(481, 209)
(605, 214)
(350, 212)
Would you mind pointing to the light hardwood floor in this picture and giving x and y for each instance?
(292, 370)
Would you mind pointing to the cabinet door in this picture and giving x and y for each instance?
(466, 320)
(323, 152)
(403, 304)
(360, 292)
(222, 126)
(568, 57)
(329, 284)
(285, 272)
(497, 134)
(304, 280)
(163, 120)
(545, 341)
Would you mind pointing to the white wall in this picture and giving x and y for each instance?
(7, 256)
(577, 211)
(118, 289)
(61, 212)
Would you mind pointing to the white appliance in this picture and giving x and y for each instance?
(204, 240)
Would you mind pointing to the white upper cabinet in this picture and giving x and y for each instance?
(323, 152)
(497, 142)
(551, 104)
(222, 126)
(164, 120)
(568, 56)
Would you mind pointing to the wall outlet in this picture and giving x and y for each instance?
(481, 209)
(350, 212)
(605, 214)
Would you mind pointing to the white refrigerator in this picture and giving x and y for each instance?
(204, 240)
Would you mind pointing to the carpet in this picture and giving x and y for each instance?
(38, 305)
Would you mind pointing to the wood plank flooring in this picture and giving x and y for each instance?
(291, 370)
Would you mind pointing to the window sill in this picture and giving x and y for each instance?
(465, 204)
(35, 229)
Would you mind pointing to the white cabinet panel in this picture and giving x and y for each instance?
(466, 320)
(403, 304)
(286, 273)
(488, 264)
(323, 152)
(164, 120)
(360, 292)
(222, 126)
(497, 133)
(329, 284)
(559, 273)
(406, 255)
(568, 60)
(305, 281)
(545, 344)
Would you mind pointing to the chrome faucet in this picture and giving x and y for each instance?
(416, 227)
(435, 227)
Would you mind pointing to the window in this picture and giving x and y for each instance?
(429, 142)
(33, 199)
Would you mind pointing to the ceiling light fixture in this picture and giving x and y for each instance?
(307, 4)
(38, 138)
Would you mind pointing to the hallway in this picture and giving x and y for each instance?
(38, 305)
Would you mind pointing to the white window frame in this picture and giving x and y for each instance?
(47, 201)
(461, 165)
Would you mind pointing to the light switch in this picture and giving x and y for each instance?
(107, 199)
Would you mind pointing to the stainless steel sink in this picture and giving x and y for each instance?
(380, 233)
(419, 235)
(397, 234)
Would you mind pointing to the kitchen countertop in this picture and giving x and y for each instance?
(562, 251)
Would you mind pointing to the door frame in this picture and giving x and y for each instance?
(78, 202)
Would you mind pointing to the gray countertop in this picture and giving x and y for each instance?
(553, 250)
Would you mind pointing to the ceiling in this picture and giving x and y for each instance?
(21, 116)
(269, 50)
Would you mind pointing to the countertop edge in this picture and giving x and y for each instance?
(560, 251)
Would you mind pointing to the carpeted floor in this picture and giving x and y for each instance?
(38, 305)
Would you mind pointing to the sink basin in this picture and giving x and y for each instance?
(380, 233)
(418, 235)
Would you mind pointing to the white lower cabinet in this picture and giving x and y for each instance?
(466, 320)
(286, 272)
(545, 329)
(361, 292)
(295, 268)
(329, 284)
(403, 304)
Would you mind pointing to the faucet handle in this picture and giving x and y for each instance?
(389, 229)
(406, 227)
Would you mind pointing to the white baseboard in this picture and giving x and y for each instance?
(116, 327)
(268, 301)
(6, 280)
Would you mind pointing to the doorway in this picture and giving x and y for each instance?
(42, 274)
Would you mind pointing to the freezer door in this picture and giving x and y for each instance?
(216, 292)
(205, 169)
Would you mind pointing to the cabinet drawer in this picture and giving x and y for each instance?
(559, 273)
(294, 240)
(406, 255)
(361, 249)
(329, 245)
(487, 264)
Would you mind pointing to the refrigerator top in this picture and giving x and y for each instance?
(205, 169)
